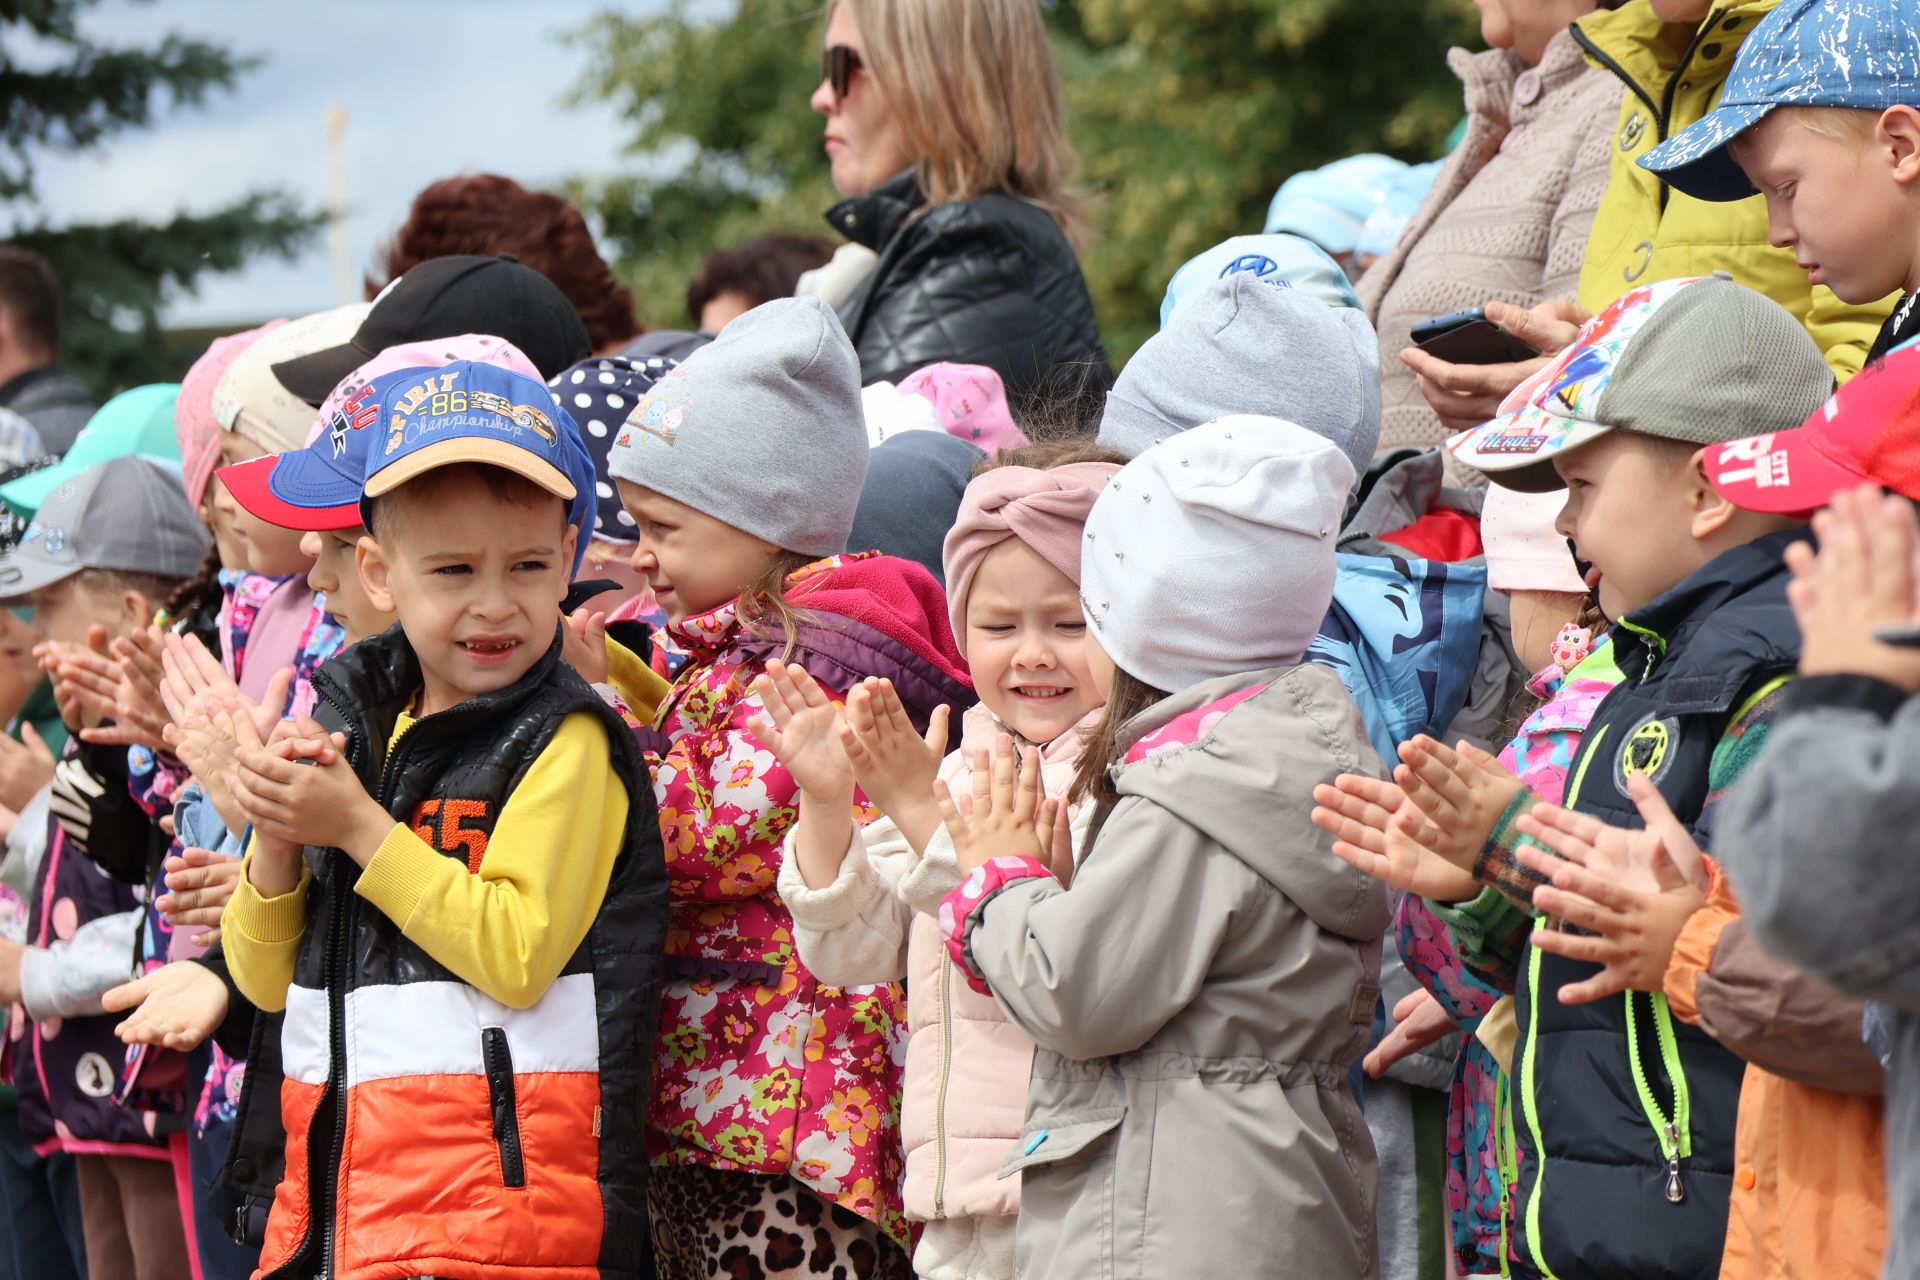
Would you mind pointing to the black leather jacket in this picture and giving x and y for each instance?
(989, 281)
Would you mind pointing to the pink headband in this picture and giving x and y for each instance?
(193, 419)
(1047, 510)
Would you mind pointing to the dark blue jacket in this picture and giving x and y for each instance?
(1624, 1115)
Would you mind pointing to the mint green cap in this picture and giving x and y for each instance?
(138, 422)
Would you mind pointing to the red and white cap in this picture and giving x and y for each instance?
(1867, 433)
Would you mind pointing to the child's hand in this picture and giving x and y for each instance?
(894, 765)
(177, 1006)
(199, 883)
(583, 646)
(1461, 791)
(1009, 818)
(1418, 1021)
(1376, 831)
(85, 680)
(1863, 579)
(194, 683)
(140, 716)
(1634, 890)
(25, 767)
(299, 789)
(802, 729)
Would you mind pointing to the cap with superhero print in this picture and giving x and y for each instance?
(318, 487)
(1642, 366)
(1867, 433)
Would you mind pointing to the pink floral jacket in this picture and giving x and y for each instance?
(760, 1067)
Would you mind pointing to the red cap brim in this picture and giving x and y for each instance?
(1780, 474)
(250, 484)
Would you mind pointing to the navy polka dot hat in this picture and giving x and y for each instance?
(599, 393)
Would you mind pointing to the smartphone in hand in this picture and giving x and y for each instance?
(1468, 337)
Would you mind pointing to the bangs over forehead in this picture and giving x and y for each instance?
(403, 509)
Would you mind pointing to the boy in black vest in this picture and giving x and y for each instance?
(1623, 1113)
(454, 887)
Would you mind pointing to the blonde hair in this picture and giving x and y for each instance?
(975, 86)
(1846, 124)
(765, 602)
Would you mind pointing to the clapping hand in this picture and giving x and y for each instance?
(894, 765)
(802, 727)
(1009, 818)
(1863, 580)
(1633, 891)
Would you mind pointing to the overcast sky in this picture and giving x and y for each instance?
(431, 88)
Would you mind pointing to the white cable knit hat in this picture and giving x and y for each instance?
(1211, 554)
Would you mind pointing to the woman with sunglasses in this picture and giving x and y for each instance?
(944, 133)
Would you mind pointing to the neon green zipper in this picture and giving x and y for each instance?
(1673, 1132)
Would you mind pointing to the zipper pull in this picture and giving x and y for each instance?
(1675, 1191)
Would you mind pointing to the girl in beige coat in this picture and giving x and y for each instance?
(1200, 994)
(864, 901)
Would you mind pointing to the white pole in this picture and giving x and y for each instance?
(343, 281)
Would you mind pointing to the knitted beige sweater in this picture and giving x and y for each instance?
(1507, 218)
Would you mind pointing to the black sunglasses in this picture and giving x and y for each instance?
(837, 65)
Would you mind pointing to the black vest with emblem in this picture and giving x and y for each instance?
(448, 777)
(1624, 1114)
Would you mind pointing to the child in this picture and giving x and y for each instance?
(1811, 1201)
(100, 554)
(1528, 561)
(466, 947)
(865, 902)
(1199, 995)
(1821, 115)
(1819, 837)
(1624, 1114)
(775, 1096)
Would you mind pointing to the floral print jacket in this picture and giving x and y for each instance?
(760, 1067)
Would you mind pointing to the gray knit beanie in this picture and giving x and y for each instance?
(1243, 347)
(762, 429)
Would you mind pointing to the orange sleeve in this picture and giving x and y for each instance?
(1693, 949)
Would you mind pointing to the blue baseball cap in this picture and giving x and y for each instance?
(468, 412)
(316, 488)
(1806, 53)
(410, 421)
(1283, 261)
(1330, 204)
(1404, 198)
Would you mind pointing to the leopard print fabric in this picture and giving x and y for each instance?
(710, 1225)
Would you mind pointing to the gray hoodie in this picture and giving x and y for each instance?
(53, 401)
(1197, 999)
(1819, 840)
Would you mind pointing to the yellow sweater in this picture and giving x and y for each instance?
(508, 928)
(1646, 231)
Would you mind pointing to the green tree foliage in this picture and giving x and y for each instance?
(63, 93)
(1186, 113)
